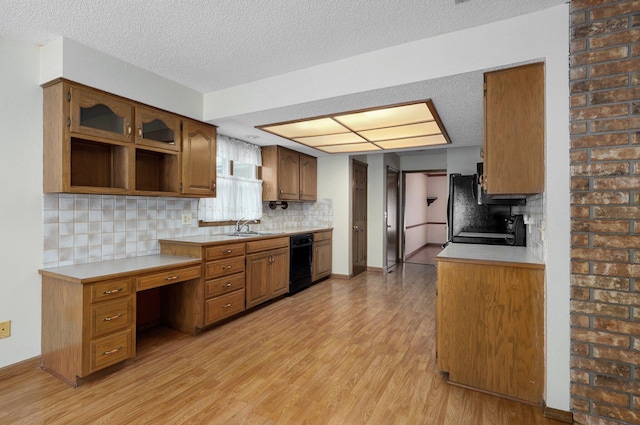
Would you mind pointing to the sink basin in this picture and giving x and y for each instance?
(250, 234)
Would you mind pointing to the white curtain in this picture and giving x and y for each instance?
(236, 198)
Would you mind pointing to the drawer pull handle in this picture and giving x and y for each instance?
(226, 305)
(172, 277)
(112, 291)
(227, 285)
(227, 251)
(108, 319)
(227, 267)
(115, 350)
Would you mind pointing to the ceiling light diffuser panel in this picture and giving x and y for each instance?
(407, 125)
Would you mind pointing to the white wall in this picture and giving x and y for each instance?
(66, 58)
(334, 177)
(415, 212)
(437, 211)
(21, 212)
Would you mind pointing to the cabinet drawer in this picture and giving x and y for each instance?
(111, 289)
(322, 236)
(266, 244)
(223, 285)
(223, 251)
(221, 268)
(167, 277)
(224, 306)
(110, 316)
(110, 350)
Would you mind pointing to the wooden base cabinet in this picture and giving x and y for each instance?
(490, 327)
(86, 328)
(267, 270)
(89, 311)
(322, 258)
(217, 295)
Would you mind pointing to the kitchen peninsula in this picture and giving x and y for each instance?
(490, 319)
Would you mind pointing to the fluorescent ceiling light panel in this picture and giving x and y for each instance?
(314, 127)
(330, 139)
(356, 147)
(401, 132)
(414, 142)
(407, 125)
(388, 117)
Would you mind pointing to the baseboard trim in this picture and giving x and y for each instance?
(375, 269)
(557, 414)
(340, 276)
(20, 367)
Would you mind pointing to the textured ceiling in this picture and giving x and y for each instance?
(211, 45)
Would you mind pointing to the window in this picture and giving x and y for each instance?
(239, 191)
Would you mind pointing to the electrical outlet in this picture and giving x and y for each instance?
(5, 329)
(186, 219)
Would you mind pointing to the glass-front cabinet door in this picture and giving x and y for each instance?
(157, 129)
(99, 114)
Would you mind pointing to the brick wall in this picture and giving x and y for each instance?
(605, 192)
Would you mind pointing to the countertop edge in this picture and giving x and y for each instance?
(490, 255)
(130, 266)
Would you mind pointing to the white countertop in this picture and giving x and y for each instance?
(113, 268)
(269, 233)
(490, 253)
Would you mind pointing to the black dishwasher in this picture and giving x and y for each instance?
(300, 251)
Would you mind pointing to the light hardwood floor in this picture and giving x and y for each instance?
(425, 255)
(341, 352)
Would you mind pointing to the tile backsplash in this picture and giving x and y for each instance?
(535, 229)
(87, 228)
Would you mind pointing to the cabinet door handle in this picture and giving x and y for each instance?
(111, 291)
(128, 129)
(139, 132)
(108, 319)
(172, 277)
(227, 267)
(227, 251)
(226, 305)
(115, 350)
(227, 285)
(213, 185)
(281, 191)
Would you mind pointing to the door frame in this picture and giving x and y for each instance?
(398, 259)
(353, 266)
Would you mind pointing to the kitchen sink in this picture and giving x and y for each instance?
(251, 234)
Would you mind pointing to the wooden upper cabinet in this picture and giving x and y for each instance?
(198, 158)
(157, 129)
(97, 142)
(288, 175)
(308, 178)
(513, 150)
(99, 114)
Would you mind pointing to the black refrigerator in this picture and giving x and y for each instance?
(468, 221)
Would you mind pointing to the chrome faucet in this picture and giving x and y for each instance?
(245, 223)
